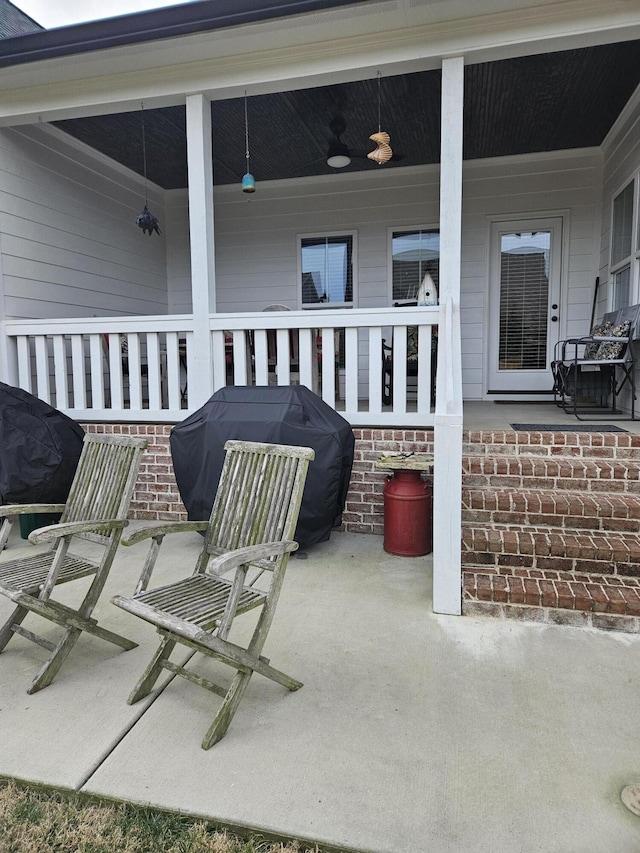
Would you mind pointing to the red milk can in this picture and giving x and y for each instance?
(408, 514)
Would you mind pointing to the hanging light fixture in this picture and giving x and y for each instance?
(383, 151)
(248, 181)
(145, 219)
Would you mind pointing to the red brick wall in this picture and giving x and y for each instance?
(156, 494)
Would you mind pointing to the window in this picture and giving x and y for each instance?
(414, 252)
(326, 264)
(622, 247)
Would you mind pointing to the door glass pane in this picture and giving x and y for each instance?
(524, 300)
(414, 253)
(622, 224)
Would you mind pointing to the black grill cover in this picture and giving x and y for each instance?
(280, 415)
(39, 449)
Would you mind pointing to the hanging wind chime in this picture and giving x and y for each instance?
(383, 151)
(248, 181)
(145, 219)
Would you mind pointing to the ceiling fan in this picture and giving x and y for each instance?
(339, 154)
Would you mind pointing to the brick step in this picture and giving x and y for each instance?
(588, 445)
(554, 589)
(551, 473)
(618, 512)
(544, 548)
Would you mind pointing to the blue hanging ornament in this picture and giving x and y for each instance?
(248, 181)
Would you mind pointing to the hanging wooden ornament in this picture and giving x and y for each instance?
(382, 152)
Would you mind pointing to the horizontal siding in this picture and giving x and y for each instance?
(70, 244)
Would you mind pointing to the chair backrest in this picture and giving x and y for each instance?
(104, 480)
(258, 497)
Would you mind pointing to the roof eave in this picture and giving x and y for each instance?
(170, 22)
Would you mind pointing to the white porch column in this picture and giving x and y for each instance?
(447, 592)
(201, 231)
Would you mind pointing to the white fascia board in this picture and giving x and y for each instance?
(227, 62)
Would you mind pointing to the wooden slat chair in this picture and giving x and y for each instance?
(96, 510)
(250, 532)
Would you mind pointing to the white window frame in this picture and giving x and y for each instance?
(354, 269)
(391, 230)
(632, 260)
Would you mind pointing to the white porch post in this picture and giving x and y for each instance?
(447, 587)
(203, 286)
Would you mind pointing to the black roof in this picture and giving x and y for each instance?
(14, 22)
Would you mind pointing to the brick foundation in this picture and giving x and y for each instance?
(551, 521)
(156, 495)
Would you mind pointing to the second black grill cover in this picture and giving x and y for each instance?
(39, 449)
(280, 415)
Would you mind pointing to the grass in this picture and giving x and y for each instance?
(34, 820)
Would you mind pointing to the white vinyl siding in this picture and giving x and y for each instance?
(70, 244)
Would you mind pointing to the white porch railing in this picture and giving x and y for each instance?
(146, 369)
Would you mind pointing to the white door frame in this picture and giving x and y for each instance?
(535, 385)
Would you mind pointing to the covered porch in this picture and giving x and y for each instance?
(413, 731)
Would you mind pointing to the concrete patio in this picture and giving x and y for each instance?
(413, 731)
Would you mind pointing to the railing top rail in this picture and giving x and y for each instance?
(97, 325)
(339, 317)
(306, 319)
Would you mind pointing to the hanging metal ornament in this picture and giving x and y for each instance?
(383, 151)
(145, 219)
(248, 181)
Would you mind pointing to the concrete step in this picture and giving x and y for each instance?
(569, 510)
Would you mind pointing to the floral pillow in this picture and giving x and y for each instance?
(599, 330)
(612, 349)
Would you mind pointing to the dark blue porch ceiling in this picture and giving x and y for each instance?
(548, 102)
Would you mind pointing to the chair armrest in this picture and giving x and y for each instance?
(71, 528)
(156, 533)
(249, 554)
(156, 530)
(33, 509)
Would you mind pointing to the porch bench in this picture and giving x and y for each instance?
(590, 372)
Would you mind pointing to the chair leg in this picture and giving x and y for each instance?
(218, 728)
(52, 666)
(6, 632)
(149, 677)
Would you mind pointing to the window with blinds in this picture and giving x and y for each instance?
(414, 252)
(622, 247)
(524, 300)
(327, 270)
